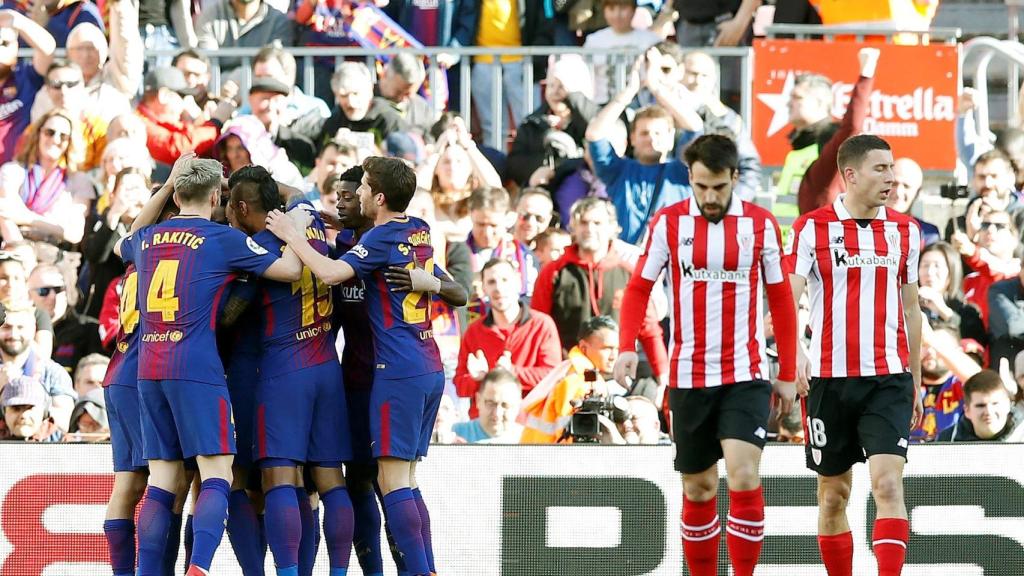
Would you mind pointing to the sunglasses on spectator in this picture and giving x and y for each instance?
(996, 225)
(44, 291)
(538, 218)
(55, 134)
(58, 84)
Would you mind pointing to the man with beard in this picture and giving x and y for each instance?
(19, 83)
(720, 254)
(942, 392)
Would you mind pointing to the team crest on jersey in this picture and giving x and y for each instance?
(122, 347)
(255, 247)
(746, 242)
(893, 240)
(816, 455)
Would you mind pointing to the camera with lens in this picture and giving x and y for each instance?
(954, 191)
(584, 426)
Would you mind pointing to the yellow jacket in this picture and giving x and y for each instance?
(547, 409)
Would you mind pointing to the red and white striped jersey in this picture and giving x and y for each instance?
(855, 271)
(716, 297)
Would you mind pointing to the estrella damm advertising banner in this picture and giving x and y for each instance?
(912, 104)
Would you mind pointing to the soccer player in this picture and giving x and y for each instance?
(720, 254)
(183, 264)
(301, 414)
(407, 380)
(864, 365)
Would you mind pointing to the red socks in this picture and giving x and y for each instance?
(745, 530)
(701, 530)
(837, 553)
(890, 543)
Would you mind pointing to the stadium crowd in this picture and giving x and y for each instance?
(543, 234)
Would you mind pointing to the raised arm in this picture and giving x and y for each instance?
(330, 271)
(124, 69)
(602, 123)
(42, 43)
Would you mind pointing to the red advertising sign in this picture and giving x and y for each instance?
(913, 104)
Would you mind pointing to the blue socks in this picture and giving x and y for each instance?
(284, 527)
(339, 526)
(154, 524)
(211, 512)
(173, 543)
(244, 533)
(404, 520)
(310, 542)
(366, 536)
(425, 528)
(188, 539)
(120, 535)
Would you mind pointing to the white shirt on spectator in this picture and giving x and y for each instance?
(605, 72)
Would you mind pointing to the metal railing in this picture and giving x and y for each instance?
(620, 58)
(986, 48)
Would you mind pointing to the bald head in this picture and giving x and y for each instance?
(908, 181)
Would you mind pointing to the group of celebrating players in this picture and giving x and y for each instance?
(353, 431)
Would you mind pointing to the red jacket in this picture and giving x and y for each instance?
(572, 291)
(532, 342)
(166, 141)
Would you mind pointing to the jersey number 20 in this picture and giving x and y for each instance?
(411, 311)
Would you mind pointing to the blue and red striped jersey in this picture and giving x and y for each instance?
(403, 340)
(352, 316)
(184, 266)
(296, 315)
(123, 369)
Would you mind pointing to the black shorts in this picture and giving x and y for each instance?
(847, 420)
(703, 417)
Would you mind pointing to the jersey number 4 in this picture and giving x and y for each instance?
(160, 297)
(128, 312)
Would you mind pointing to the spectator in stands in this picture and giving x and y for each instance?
(20, 358)
(641, 185)
(701, 79)
(1006, 318)
(540, 146)
(582, 182)
(1011, 142)
(14, 295)
(619, 34)
(66, 90)
(489, 237)
(511, 336)
(942, 301)
(941, 390)
(89, 374)
(19, 83)
(990, 253)
(550, 245)
(161, 108)
(89, 420)
(113, 71)
(534, 212)
(810, 169)
(546, 412)
(273, 61)
(355, 108)
(119, 154)
(398, 87)
(498, 402)
(714, 23)
(244, 141)
(905, 191)
(241, 24)
(39, 188)
(130, 191)
(130, 127)
(63, 15)
(27, 412)
(988, 414)
(196, 69)
(455, 169)
(74, 336)
(334, 156)
(643, 426)
(590, 278)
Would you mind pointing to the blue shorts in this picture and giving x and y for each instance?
(402, 415)
(359, 424)
(302, 416)
(182, 419)
(242, 377)
(125, 418)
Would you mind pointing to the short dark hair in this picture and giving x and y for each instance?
(442, 124)
(992, 156)
(190, 53)
(490, 198)
(496, 262)
(672, 49)
(393, 178)
(500, 376)
(716, 152)
(595, 323)
(983, 382)
(353, 174)
(256, 186)
(855, 148)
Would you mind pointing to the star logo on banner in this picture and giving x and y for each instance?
(779, 103)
